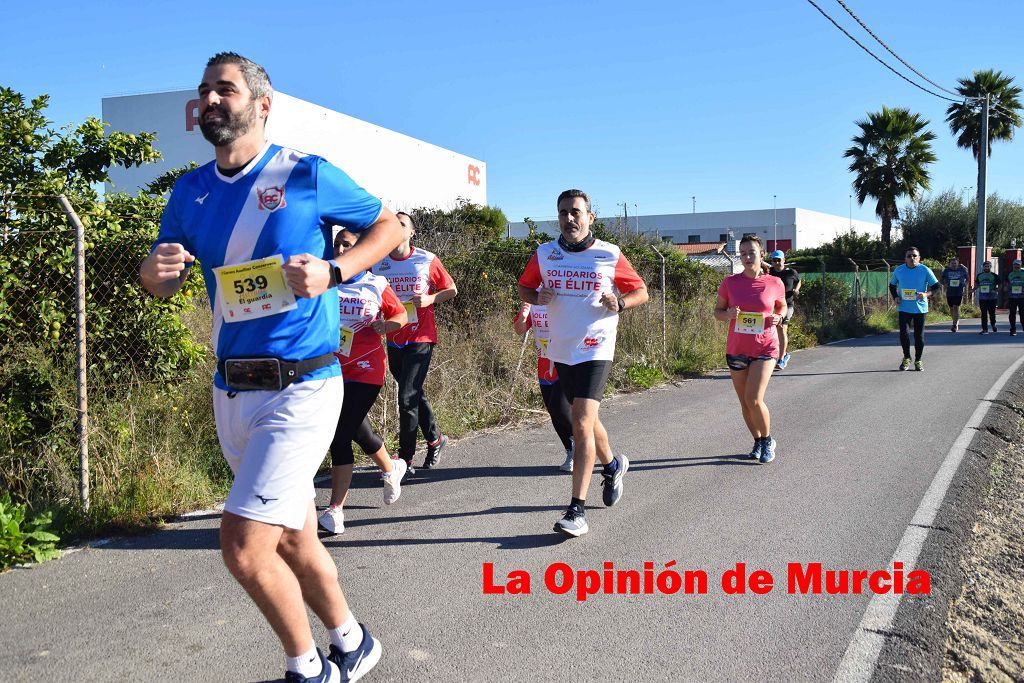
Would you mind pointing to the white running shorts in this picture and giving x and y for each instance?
(274, 442)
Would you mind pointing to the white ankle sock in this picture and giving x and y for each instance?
(348, 636)
(307, 664)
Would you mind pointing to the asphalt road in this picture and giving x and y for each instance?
(859, 443)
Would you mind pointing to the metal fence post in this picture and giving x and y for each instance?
(83, 407)
(888, 279)
(664, 310)
(823, 274)
(855, 292)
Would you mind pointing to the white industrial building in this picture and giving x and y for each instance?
(404, 172)
(785, 229)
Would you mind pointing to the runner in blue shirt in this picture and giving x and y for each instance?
(911, 285)
(258, 219)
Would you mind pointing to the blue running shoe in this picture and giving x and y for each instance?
(613, 482)
(755, 452)
(767, 451)
(783, 362)
(356, 664)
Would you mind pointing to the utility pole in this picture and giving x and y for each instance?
(775, 219)
(636, 212)
(979, 256)
(694, 198)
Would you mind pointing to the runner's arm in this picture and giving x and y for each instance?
(522, 321)
(723, 311)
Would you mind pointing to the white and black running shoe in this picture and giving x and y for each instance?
(573, 523)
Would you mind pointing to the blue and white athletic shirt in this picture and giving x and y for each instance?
(283, 202)
(910, 281)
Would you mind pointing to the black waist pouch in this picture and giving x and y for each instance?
(268, 374)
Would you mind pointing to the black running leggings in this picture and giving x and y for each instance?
(558, 409)
(409, 365)
(988, 312)
(354, 425)
(918, 320)
(1016, 305)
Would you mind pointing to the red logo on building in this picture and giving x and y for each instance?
(191, 115)
(271, 198)
(474, 175)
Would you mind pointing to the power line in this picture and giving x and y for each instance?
(889, 50)
(876, 57)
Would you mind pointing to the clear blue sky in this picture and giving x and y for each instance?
(647, 103)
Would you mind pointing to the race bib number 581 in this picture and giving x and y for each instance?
(254, 289)
(750, 323)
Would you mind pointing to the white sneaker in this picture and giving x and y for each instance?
(333, 520)
(393, 480)
(574, 523)
(569, 452)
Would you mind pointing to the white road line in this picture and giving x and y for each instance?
(861, 655)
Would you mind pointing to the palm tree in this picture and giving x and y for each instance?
(890, 160)
(964, 118)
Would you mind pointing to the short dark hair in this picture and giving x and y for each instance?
(755, 239)
(256, 78)
(571, 194)
(909, 249)
(411, 219)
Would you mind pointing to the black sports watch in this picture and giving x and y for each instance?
(622, 304)
(336, 278)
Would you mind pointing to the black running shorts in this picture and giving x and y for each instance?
(954, 300)
(743, 362)
(584, 380)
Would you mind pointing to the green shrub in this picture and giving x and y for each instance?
(24, 540)
(644, 374)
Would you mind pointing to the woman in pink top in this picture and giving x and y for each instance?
(753, 302)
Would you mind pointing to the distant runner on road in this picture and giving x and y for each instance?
(791, 279)
(368, 308)
(753, 303)
(986, 285)
(911, 284)
(1015, 295)
(586, 284)
(955, 278)
(536, 317)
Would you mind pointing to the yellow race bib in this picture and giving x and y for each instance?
(954, 284)
(542, 347)
(910, 295)
(1016, 289)
(410, 309)
(750, 323)
(254, 289)
(347, 335)
(985, 289)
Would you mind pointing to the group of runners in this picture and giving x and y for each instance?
(913, 283)
(306, 272)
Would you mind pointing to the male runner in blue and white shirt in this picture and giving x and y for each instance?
(258, 219)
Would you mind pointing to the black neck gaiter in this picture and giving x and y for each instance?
(584, 243)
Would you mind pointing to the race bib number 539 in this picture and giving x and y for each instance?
(254, 289)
